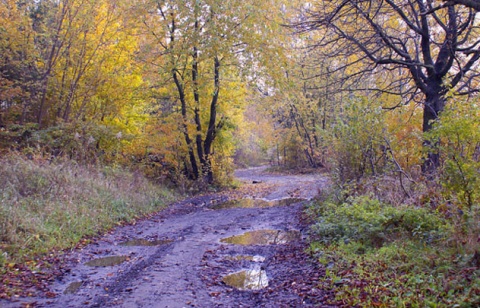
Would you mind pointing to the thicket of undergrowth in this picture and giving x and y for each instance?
(389, 236)
(158, 158)
(48, 205)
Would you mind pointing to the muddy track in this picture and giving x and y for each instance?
(181, 259)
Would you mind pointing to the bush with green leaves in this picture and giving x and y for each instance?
(458, 130)
(373, 223)
(357, 141)
(404, 273)
(378, 255)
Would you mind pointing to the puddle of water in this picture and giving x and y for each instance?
(258, 258)
(144, 242)
(73, 287)
(255, 203)
(263, 237)
(252, 279)
(255, 258)
(107, 261)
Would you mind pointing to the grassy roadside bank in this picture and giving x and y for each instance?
(49, 206)
(379, 255)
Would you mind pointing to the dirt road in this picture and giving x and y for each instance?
(189, 255)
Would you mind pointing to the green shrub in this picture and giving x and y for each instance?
(357, 142)
(400, 274)
(372, 223)
(378, 255)
(458, 130)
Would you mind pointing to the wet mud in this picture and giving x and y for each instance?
(73, 287)
(145, 242)
(206, 251)
(255, 203)
(107, 261)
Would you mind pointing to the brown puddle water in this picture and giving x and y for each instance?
(107, 261)
(252, 279)
(255, 203)
(263, 237)
(144, 242)
(73, 287)
(255, 258)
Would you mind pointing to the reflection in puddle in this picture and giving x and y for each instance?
(144, 242)
(252, 279)
(263, 237)
(255, 203)
(255, 258)
(107, 261)
(73, 287)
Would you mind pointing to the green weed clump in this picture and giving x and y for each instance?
(378, 255)
(459, 133)
(373, 223)
(52, 205)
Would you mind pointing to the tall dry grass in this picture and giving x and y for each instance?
(48, 205)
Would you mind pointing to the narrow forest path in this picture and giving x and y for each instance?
(182, 256)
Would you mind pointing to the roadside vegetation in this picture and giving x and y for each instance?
(390, 237)
(47, 206)
(104, 103)
(379, 255)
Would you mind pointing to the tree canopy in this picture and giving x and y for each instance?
(182, 88)
(417, 50)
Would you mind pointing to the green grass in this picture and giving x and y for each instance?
(47, 206)
(378, 255)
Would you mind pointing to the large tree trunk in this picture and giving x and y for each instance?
(196, 97)
(183, 102)
(188, 140)
(212, 126)
(433, 106)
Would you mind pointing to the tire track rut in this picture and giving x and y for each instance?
(188, 270)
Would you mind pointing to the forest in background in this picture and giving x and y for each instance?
(381, 94)
(156, 86)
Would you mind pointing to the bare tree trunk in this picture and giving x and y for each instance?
(52, 58)
(213, 127)
(181, 93)
(188, 141)
(196, 97)
(433, 106)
